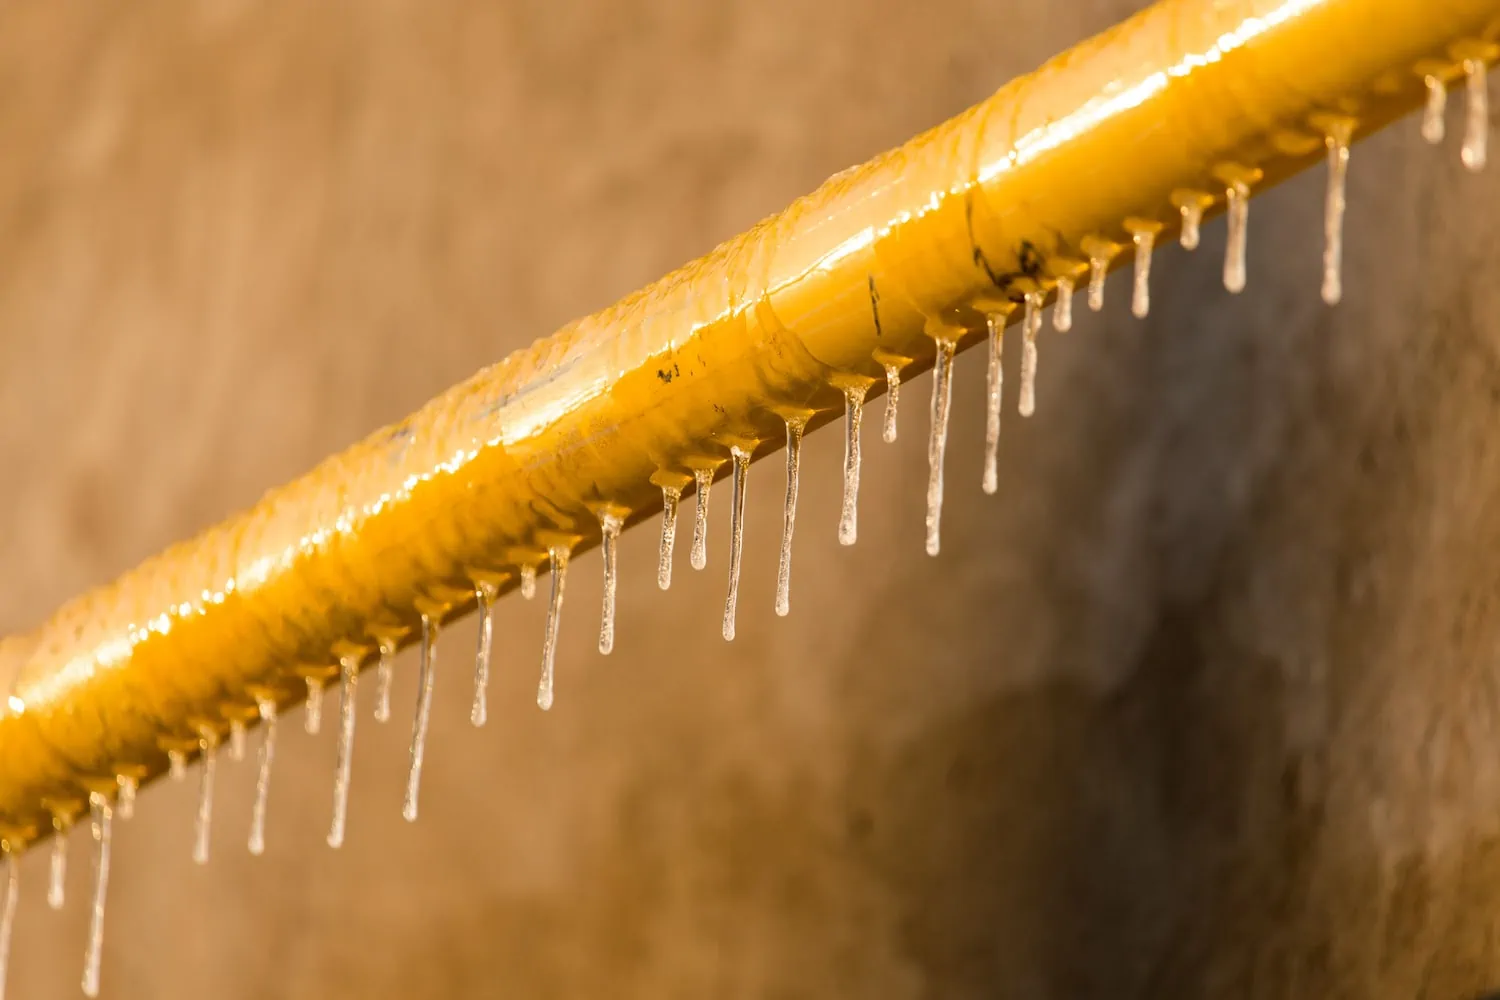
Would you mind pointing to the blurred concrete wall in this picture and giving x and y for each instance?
(1200, 706)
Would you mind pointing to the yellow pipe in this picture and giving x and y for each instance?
(921, 243)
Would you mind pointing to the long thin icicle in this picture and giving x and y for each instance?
(426, 674)
(344, 762)
(8, 915)
(1031, 325)
(203, 824)
(57, 884)
(1098, 271)
(671, 496)
(736, 535)
(610, 525)
(1062, 307)
(854, 405)
(937, 444)
(1434, 110)
(263, 777)
(484, 600)
(1476, 116)
(703, 481)
(559, 558)
(1333, 217)
(892, 399)
(1238, 194)
(794, 430)
(996, 387)
(1140, 299)
(385, 672)
(125, 804)
(94, 953)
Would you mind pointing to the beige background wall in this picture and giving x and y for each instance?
(1200, 706)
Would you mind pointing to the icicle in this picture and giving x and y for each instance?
(484, 600)
(996, 385)
(385, 672)
(312, 721)
(892, 398)
(544, 691)
(1333, 216)
(670, 497)
(794, 430)
(1062, 308)
(1432, 114)
(263, 777)
(344, 762)
(741, 459)
(204, 822)
(57, 884)
(237, 740)
(609, 525)
(1031, 324)
(1476, 116)
(425, 677)
(528, 582)
(1098, 271)
(1192, 224)
(8, 915)
(177, 764)
(94, 954)
(1234, 250)
(937, 444)
(125, 804)
(854, 403)
(1140, 299)
(703, 480)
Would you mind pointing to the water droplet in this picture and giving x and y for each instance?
(854, 403)
(1192, 224)
(103, 817)
(528, 582)
(126, 802)
(736, 535)
(892, 400)
(1062, 308)
(1238, 194)
(484, 600)
(1140, 298)
(1476, 116)
(794, 430)
(1031, 324)
(609, 525)
(937, 444)
(177, 764)
(385, 672)
(237, 740)
(263, 777)
(57, 885)
(8, 915)
(1433, 111)
(1333, 216)
(425, 677)
(996, 387)
(703, 481)
(670, 497)
(312, 721)
(544, 690)
(344, 761)
(1098, 271)
(205, 817)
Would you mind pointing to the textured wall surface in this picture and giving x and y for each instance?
(1199, 706)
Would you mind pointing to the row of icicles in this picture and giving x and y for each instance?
(102, 809)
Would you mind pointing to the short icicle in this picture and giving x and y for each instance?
(544, 691)
(854, 405)
(1140, 298)
(1476, 116)
(426, 674)
(385, 673)
(741, 458)
(671, 496)
(1433, 111)
(995, 383)
(57, 884)
(237, 740)
(257, 844)
(1031, 324)
(1192, 224)
(794, 429)
(1098, 271)
(1062, 307)
(937, 443)
(528, 582)
(1238, 195)
(102, 820)
(1333, 216)
(703, 481)
(203, 822)
(125, 804)
(8, 914)
(177, 765)
(892, 399)
(344, 761)
(609, 526)
(484, 600)
(312, 720)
